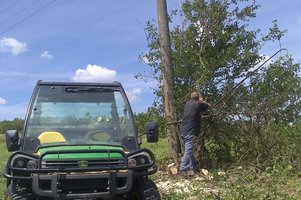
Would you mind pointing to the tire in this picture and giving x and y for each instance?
(17, 192)
(146, 189)
(8, 193)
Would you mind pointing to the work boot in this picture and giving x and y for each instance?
(190, 173)
(187, 174)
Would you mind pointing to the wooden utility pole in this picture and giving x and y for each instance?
(168, 81)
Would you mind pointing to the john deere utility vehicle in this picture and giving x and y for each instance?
(79, 142)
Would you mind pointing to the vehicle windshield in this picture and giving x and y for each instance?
(79, 115)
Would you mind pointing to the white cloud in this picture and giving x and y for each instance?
(94, 73)
(2, 101)
(12, 46)
(47, 55)
(132, 94)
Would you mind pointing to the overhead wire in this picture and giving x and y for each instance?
(19, 12)
(27, 17)
(9, 7)
(250, 73)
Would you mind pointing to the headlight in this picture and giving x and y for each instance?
(32, 164)
(24, 161)
(20, 163)
(138, 160)
(142, 159)
(132, 162)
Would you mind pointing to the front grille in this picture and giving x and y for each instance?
(51, 164)
(88, 185)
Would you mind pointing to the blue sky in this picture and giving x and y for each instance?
(92, 40)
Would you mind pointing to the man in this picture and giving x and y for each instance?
(190, 128)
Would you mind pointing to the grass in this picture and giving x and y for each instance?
(3, 157)
(237, 184)
(161, 152)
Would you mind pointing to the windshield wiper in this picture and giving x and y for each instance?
(88, 89)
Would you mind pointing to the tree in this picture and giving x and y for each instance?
(212, 50)
(168, 81)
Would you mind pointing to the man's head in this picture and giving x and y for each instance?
(194, 96)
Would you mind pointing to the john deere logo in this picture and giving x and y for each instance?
(82, 164)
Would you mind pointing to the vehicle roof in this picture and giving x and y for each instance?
(113, 84)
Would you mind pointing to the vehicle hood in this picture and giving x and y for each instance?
(81, 152)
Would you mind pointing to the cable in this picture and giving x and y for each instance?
(12, 5)
(21, 21)
(18, 12)
(229, 93)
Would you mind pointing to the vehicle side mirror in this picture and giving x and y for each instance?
(152, 133)
(12, 140)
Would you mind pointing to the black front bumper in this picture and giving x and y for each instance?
(64, 186)
(80, 183)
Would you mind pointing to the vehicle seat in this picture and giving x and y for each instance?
(50, 137)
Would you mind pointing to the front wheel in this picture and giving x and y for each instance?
(8, 193)
(17, 192)
(146, 189)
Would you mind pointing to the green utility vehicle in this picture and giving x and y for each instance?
(80, 142)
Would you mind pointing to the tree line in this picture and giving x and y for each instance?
(15, 124)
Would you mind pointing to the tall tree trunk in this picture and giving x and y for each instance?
(168, 81)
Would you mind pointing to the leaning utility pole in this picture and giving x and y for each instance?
(168, 81)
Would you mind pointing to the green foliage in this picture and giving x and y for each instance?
(16, 124)
(153, 114)
(213, 49)
(241, 182)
